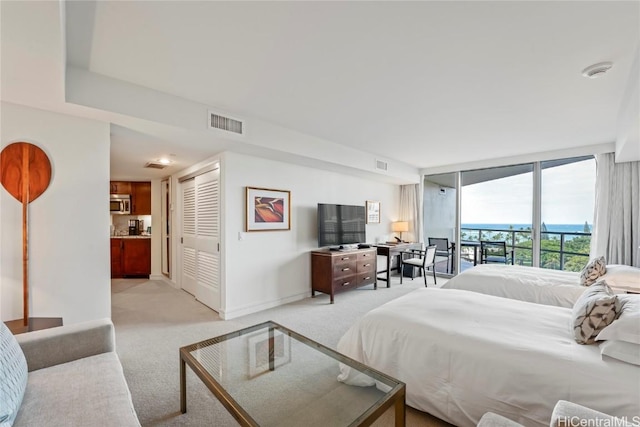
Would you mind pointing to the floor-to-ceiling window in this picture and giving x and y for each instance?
(543, 211)
(567, 204)
(497, 205)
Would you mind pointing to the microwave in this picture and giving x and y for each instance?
(120, 204)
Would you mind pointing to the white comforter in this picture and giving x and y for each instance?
(539, 285)
(462, 354)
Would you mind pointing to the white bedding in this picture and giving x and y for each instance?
(462, 354)
(532, 284)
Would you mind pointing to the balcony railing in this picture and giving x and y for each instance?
(558, 250)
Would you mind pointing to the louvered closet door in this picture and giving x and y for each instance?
(189, 266)
(208, 239)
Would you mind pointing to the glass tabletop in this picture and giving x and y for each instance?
(268, 375)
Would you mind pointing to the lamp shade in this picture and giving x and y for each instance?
(400, 226)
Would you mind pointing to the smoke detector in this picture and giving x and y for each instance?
(597, 70)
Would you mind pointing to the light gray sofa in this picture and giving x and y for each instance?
(565, 414)
(74, 378)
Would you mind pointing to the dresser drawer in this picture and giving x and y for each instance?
(344, 269)
(368, 265)
(345, 283)
(366, 278)
(371, 255)
(344, 259)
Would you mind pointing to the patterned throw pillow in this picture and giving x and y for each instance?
(596, 309)
(13, 376)
(592, 271)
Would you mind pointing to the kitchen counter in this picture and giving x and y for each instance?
(130, 237)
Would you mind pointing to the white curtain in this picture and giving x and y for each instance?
(411, 211)
(616, 223)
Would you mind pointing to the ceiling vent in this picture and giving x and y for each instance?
(155, 165)
(228, 124)
(382, 166)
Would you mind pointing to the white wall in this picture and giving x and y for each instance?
(266, 269)
(69, 268)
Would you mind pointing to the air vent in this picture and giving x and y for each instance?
(216, 121)
(155, 165)
(380, 165)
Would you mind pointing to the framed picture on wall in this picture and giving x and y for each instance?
(267, 209)
(373, 212)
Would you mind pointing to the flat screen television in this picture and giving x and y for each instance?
(341, 225)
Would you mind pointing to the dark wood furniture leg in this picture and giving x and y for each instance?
(183, 386)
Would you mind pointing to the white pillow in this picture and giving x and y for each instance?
(627, 326)
(591, 272)
(623, 277)
(621, 350)
(596, 309)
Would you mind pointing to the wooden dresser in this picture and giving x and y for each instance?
(338, 271)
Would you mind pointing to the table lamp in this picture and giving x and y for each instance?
(400, 227)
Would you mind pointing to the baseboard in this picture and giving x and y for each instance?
(254, 308)
(165, 279)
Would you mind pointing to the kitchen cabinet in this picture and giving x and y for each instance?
(140, 198)
(120, 187)
(130, 257)
(116, 258)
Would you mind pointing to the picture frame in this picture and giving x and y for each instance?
(267, 209)
(258, 345)
(373, 212)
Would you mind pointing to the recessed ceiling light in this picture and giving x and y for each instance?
(164, 161)
(597, 70)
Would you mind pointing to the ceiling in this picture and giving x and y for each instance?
(425, 84)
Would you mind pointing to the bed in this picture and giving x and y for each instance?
(539, 285)
(462, 354)
(532, 284)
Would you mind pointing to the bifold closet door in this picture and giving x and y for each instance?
(201, 238)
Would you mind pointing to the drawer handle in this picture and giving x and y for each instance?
(346, 283)
(344, 258)
(346, 269)
(367, 265)
(367, 278)
(364, 255)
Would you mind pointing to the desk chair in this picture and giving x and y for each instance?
(420, 259)
(444, 251)
(495, 252)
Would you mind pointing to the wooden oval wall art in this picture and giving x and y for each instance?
(25, 171)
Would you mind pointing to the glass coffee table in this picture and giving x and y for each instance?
(268, 375)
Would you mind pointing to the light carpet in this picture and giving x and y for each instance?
(153, 320)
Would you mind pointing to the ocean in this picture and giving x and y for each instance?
(566, 228)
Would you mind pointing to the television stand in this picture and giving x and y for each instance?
(338, 271)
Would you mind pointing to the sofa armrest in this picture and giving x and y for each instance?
(490, 419)
(567, 414)
(64, 344)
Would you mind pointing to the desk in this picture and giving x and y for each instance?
(390, 250)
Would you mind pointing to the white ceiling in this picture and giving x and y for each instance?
(424, 83)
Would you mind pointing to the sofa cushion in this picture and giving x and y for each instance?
(87, 392)
(13, 376)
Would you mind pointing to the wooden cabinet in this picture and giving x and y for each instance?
(140, 195)
(130, 257)
(116, 258)
(120, 187)
(140, 198)
(338, 271)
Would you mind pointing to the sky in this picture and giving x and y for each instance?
(568, 197)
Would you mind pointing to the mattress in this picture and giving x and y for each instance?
(532, 284)
(462, 354)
